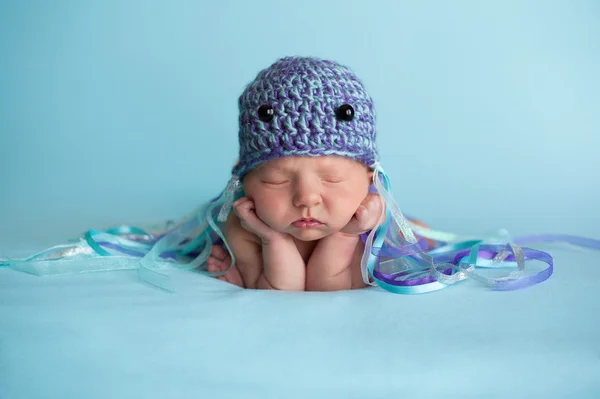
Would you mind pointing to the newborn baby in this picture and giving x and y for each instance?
(297, 228)
(306, 161)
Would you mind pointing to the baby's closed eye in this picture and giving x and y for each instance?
(274, 182)
(333, 179)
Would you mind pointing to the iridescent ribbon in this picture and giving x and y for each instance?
(412, 270)
(396, 257)
(185, 246)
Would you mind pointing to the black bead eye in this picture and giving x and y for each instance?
(266, 113)
(345, 112)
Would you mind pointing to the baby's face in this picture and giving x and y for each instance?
(308, 197)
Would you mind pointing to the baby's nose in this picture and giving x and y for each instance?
(307, 193)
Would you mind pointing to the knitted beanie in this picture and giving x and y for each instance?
(305, 106)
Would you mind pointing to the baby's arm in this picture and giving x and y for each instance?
(336, 258)
(280, 265)
(246, 249)
(330, 265)
(283, 266)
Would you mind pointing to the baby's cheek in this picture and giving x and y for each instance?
(260, 208)
(355, 199)
(346, 208)
(267, 210)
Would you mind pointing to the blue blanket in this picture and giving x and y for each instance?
(109, 335)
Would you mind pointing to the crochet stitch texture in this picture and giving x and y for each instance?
(305, 93)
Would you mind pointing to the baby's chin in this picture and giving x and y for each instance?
(308, 234)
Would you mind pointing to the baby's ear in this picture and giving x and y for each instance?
(370, 174)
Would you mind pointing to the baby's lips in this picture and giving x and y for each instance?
(307, 220)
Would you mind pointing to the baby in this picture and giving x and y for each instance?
(307, 153)
(298, 226)
(305, 188)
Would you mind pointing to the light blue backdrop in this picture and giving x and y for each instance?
(125, 111)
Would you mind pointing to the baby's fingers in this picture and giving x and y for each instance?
(362, 215)
(378, 210)
(244, 208)
(246, 211)
(219, 253)
(369, 214)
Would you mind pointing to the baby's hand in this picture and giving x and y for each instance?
(369, 215)
(246, 211)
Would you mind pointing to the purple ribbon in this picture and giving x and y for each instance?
(486, 252)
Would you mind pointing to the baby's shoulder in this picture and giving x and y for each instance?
(244, 245)
(235, 232)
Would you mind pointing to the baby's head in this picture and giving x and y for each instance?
(307, 144)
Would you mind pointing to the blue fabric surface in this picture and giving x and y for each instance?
(125, 112)
(102, 335)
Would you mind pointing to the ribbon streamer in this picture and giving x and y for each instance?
(400, 255)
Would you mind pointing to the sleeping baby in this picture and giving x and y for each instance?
(306, 161)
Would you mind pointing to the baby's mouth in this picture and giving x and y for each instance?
(307, 223)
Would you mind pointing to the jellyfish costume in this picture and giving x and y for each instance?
(305, 106)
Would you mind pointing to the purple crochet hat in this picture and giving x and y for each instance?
(305, 106)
